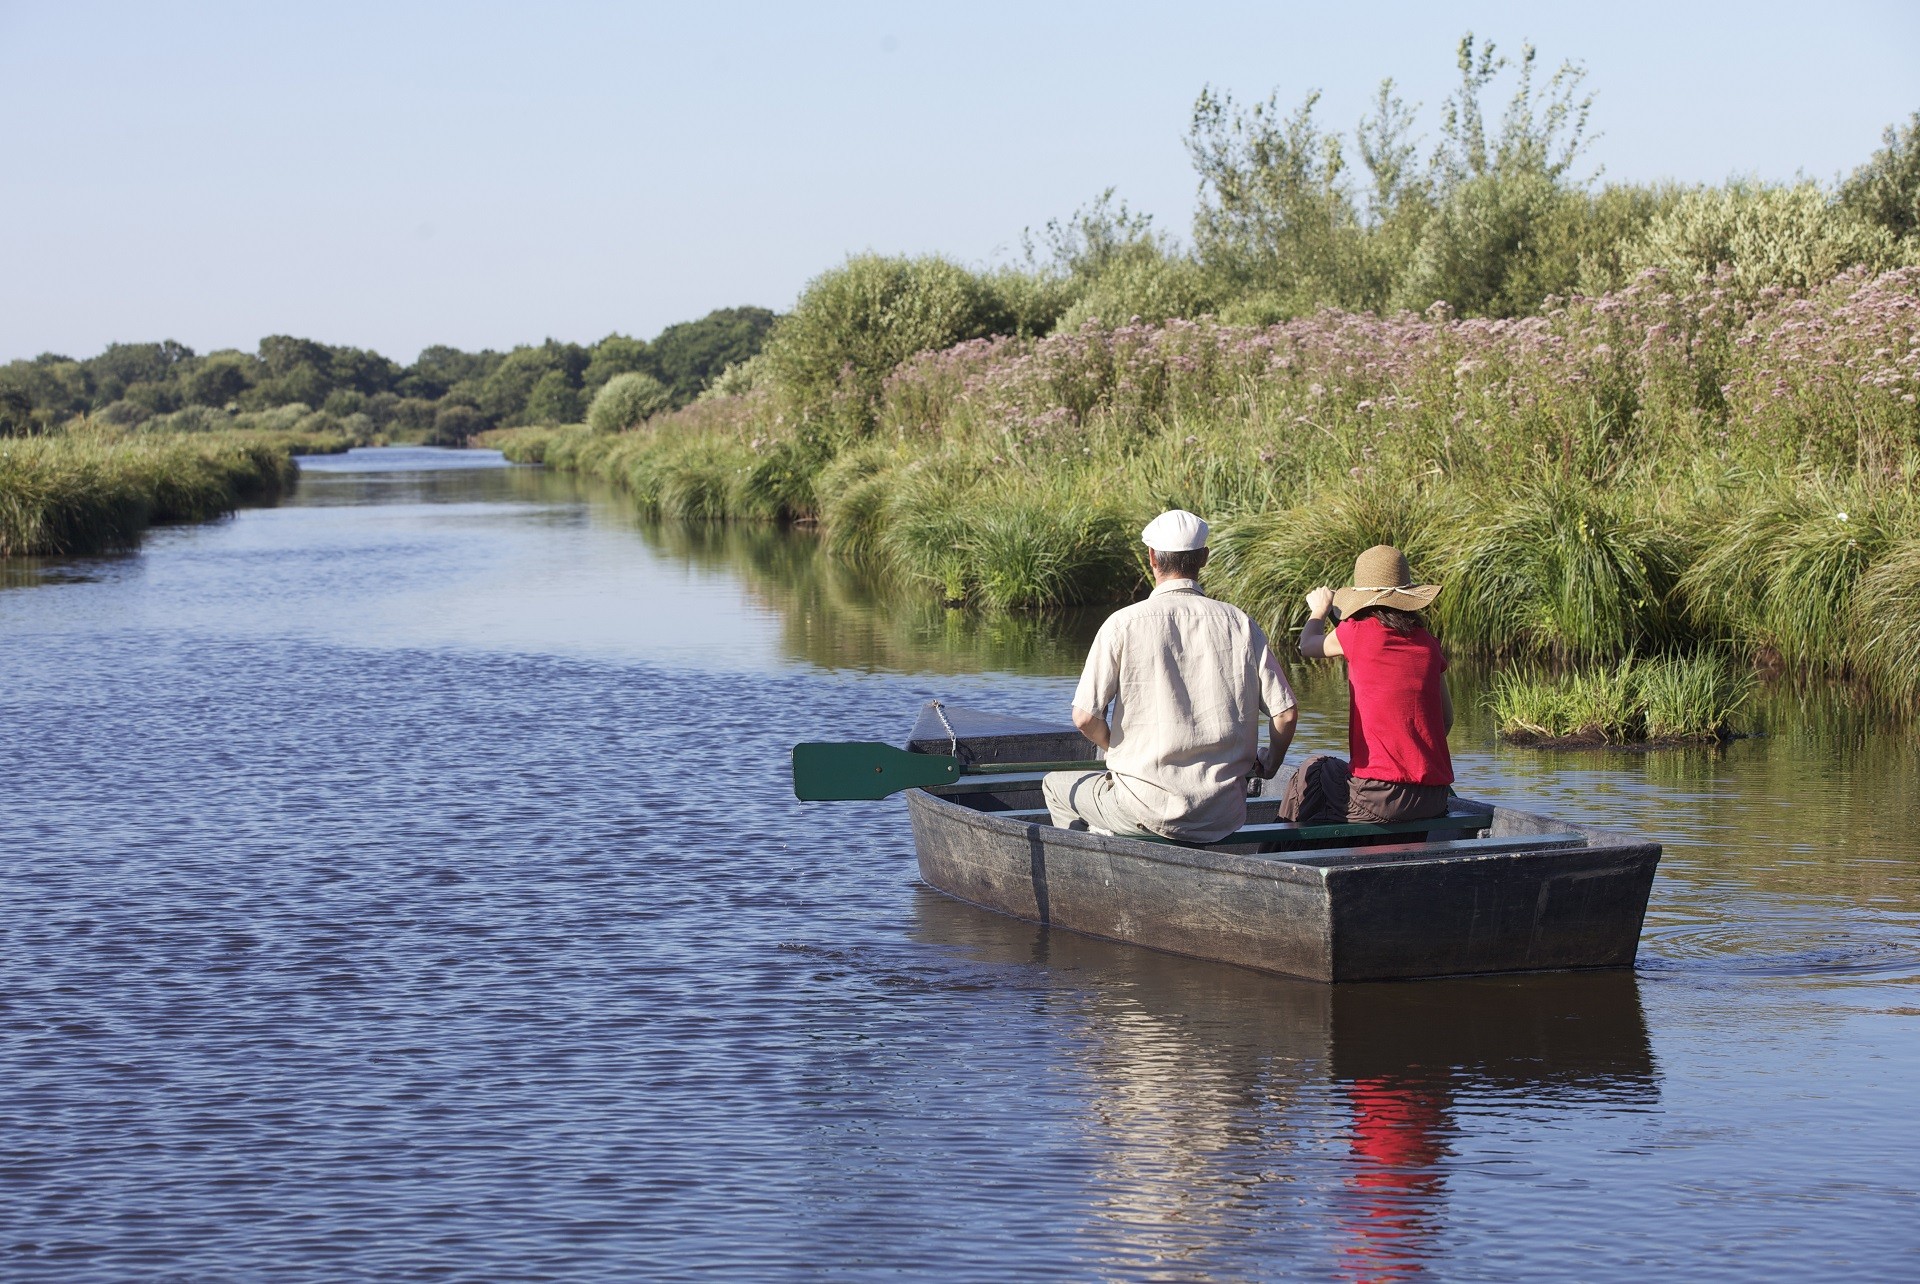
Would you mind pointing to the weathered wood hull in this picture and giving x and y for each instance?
(1577, 900)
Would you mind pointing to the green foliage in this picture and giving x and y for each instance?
(854, 324)
(455, 424)
(1596, 706)
(16, 412)
(1779, 575)
(553, 400)
(1693, 697)
(1042, 553)
(1668, 699)
(691, 354)
(1148, 283)
(1792, 237)
(1883, 621)
(1277, 217)
(93, 492)
(1560, 569)
(1886, 190)
(627, 401)
(1268, 561)
(616, 355)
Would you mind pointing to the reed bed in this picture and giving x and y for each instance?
(91, 492)
(1696, 698)
(1671, 466)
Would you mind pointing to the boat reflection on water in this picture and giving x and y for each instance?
(1226, 1105)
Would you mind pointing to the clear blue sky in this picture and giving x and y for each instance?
(397, 174)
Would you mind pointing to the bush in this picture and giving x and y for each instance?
(1884, 625)
(1143, 284)
(455, 424)
(1791, 237)
(1498, 245)
(627, 401)
(853, 325)
(1696, 697)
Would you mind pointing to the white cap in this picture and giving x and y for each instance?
(1175, 531)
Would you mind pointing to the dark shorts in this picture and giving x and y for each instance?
(1324, 790)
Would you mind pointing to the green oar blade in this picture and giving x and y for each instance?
(837, 772)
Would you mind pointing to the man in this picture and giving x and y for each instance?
(1187, 678)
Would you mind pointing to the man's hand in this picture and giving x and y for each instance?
(1278, 740)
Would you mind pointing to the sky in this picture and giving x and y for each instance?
(398, 174)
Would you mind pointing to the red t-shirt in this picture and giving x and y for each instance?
(1396, 721)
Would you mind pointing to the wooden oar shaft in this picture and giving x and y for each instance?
(1016, 768)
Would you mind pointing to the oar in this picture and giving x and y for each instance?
(827, 771)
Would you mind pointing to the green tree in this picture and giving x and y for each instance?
(125, 364)
(506, 389)
(553, 400)
(617, 354)
(16, 411)
(1763, 235)
(438, 368)
(455, 422)
(690, 355)
(1277, 216)
(1886, 190)
(220, 378)
(1508, 206)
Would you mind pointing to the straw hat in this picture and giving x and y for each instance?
(1381, 577)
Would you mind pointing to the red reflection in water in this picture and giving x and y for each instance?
(1398, 1143)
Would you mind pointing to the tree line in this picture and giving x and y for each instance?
(445, 396)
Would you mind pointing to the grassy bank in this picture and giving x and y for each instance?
(95, 491)
(1666, 466)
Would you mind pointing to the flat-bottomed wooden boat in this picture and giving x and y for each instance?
(1485, 889)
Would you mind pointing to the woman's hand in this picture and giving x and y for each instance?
(1319, 602)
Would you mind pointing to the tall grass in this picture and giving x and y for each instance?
(1671, 699)
(95, 491)
(1658, 468)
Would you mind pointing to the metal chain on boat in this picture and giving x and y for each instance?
(953, 737)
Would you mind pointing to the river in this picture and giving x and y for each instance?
(402, 882)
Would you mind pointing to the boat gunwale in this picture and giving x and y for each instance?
(1278, 866)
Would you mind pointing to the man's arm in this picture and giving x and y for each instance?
(1094, 728)
(1278, 739)
(1317, 641)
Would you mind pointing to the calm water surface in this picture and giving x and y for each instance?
(403, 883)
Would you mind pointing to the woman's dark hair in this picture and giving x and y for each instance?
(1185, 564)
(1394, 618)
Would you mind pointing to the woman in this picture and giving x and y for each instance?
(1398, 709)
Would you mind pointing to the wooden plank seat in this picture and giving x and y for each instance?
(1287, 833)
(1444, 847)
(1293, 833)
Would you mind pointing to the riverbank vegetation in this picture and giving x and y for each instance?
(1614, 420)
(1689, 699)
(99, 490)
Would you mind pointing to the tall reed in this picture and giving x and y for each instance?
(90, 492)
